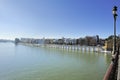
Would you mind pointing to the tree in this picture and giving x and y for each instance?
(17, 40)
(97, 40)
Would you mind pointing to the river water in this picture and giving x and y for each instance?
(20, 62)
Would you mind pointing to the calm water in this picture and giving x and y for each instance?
(32, 63)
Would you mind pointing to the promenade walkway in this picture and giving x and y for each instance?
(118, 75)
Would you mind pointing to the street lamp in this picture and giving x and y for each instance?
(115, 16)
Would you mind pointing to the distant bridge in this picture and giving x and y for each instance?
(72, 47)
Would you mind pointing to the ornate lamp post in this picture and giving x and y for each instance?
(115, 17)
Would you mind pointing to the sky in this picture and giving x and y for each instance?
(57, 18)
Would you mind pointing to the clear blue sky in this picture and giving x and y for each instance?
(57, 18)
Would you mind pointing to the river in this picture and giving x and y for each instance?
(20, 62)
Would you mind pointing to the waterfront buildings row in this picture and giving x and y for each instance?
(88, 40)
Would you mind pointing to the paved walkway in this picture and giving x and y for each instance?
(118, 77)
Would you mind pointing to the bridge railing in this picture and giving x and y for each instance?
(111, 73)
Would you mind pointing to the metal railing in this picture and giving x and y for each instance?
(111, 73)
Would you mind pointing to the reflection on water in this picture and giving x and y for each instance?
(19, 62)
